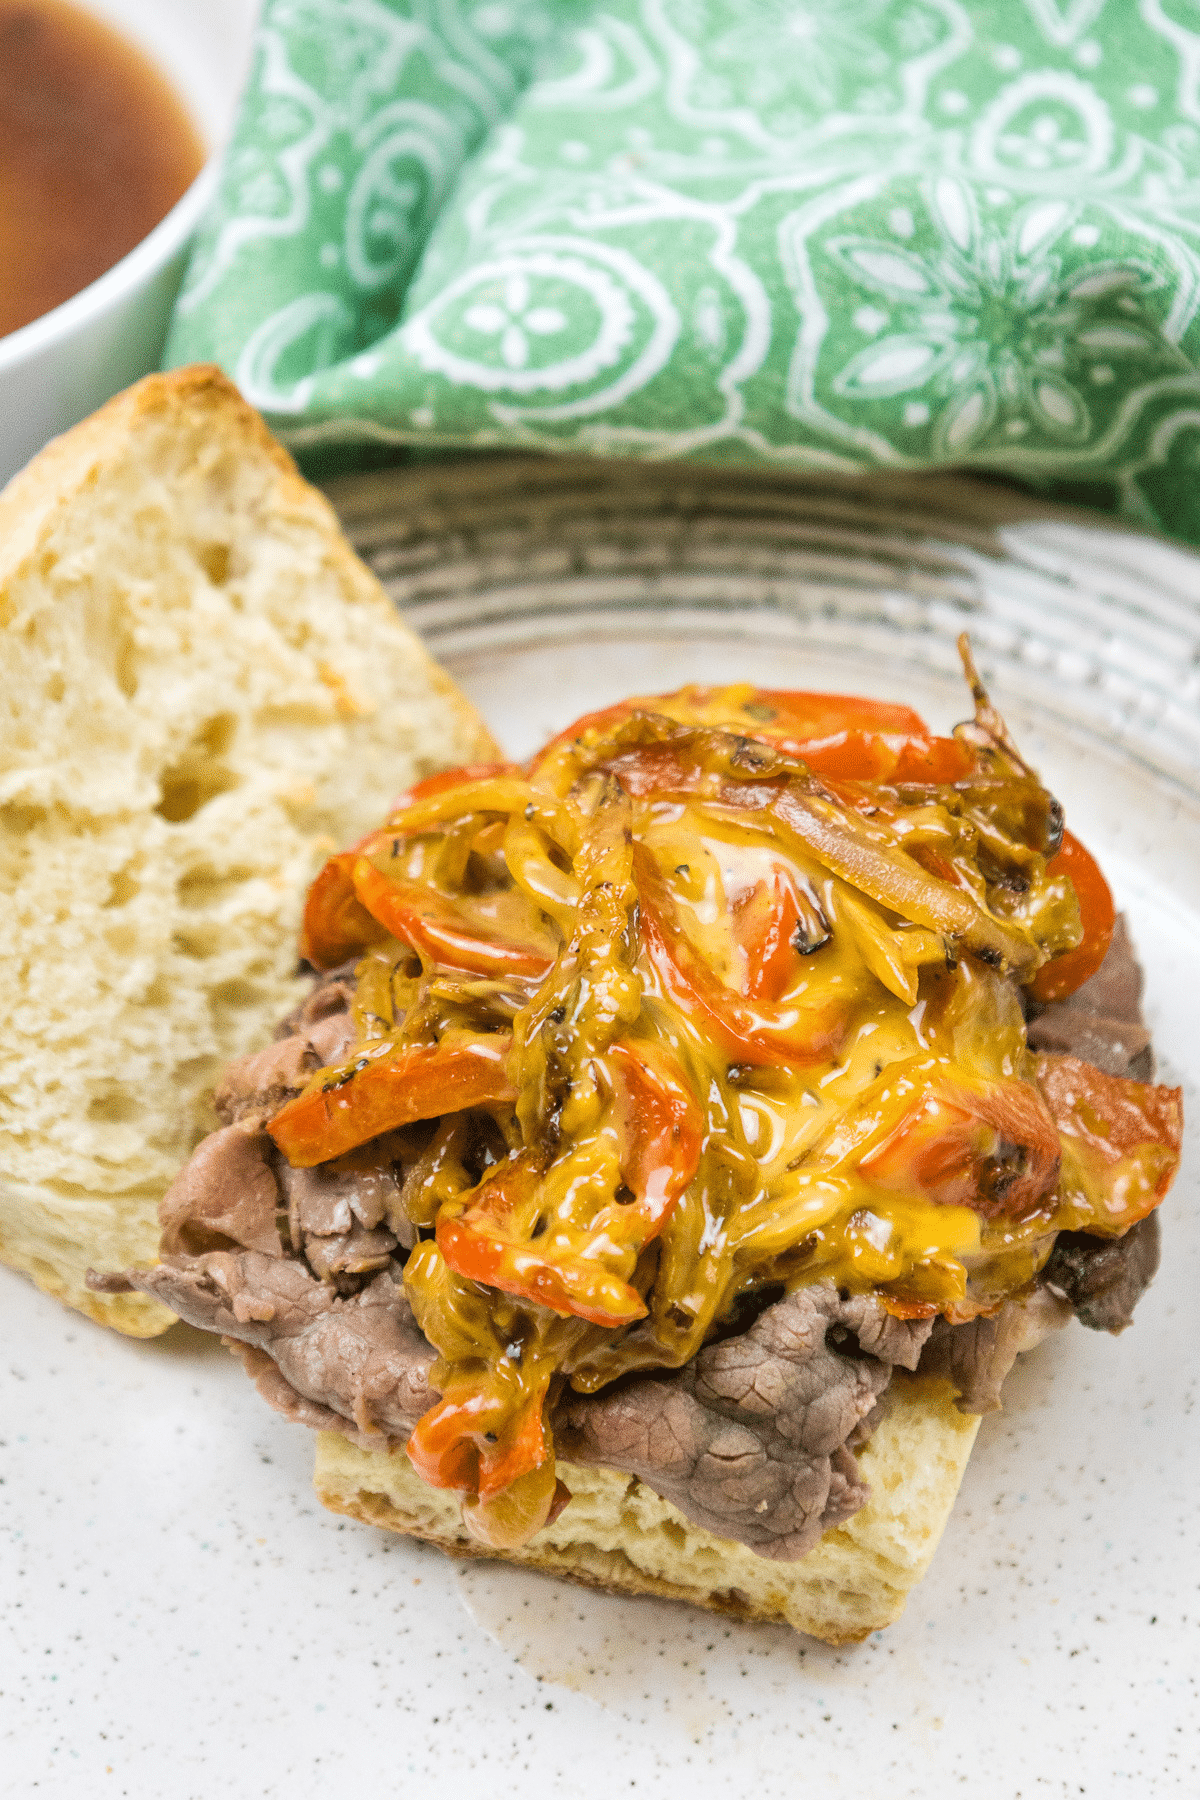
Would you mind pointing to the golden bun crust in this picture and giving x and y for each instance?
(203, 692)
(617, 1534)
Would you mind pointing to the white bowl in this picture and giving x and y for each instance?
(57, 369)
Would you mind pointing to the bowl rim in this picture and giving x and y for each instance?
(124, 277)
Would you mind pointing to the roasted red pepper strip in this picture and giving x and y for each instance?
(601, 721)
(561, 1282)
(336, 923)
(837, 735)
(756, 712)
(501, 1462)
(518, 1451)
(847, 737)
(660, 1125)
(993, 1148)
(444, 1446)
(814, 718)
(482, 1246)
(388, 1088)
(1055, 980)
(747, 1031)
(452, 778)
(1120, 1141)
(656, 769)
(765, 926)
(445, 932)
(941, 761)
(469, 1441)
(351, 907)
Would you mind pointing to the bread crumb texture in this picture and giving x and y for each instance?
(617, 1533)
(202, 693)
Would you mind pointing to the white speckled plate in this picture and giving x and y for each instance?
(181, 1618)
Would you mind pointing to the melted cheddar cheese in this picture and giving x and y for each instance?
(719, 995)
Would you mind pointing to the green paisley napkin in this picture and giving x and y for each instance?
(811, 234)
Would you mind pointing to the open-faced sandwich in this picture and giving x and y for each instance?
(675, 1129)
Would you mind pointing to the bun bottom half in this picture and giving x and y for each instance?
(617, 1534)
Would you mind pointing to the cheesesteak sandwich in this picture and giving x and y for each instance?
(676, 1127)
(203, 692)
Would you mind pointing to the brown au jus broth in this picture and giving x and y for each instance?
(95, 149)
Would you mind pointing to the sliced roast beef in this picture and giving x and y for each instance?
(1104, 1278)
(978, 1355)
(314, 1035)
(1101, 1022)
(332, 993)
(226, 1197)
(253, 1089)
(278, 1392)
(349, 1253)
(360, 1358)
(1100, 1280)
(750, 1439)
(362, 1187)
(346, 1216)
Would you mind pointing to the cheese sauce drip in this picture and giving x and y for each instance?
(719, 995)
